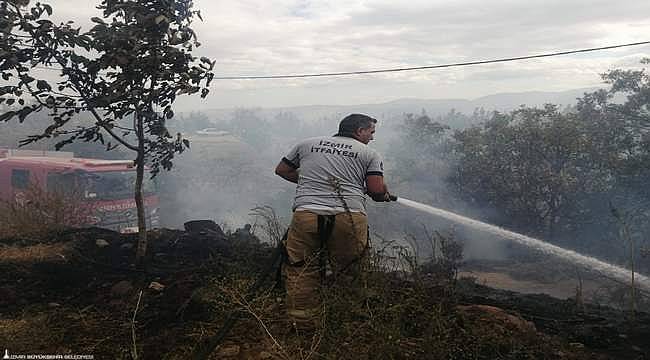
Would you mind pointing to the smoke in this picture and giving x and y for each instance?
(229, 170)
(418, 167)
(227, 173)
(222, 178)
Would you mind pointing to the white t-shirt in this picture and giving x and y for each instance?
(332, 170)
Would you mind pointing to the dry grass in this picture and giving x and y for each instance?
(34, 253)
(393, 315)
(10, 328)
(39, 213)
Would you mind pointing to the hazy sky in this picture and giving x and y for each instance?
(262, 37)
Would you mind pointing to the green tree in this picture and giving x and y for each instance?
(619, 117)
(422, 148)
(125, 73)
(620, 122)
(533, 165)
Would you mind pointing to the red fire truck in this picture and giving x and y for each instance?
(105, 187)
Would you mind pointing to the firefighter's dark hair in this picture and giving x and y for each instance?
(351, 123)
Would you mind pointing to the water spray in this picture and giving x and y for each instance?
(618, 273)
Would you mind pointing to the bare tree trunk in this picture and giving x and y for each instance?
(633, 264)
(139, 199)
(625, 227)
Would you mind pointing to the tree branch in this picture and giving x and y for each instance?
(123, 128)
(69, 72)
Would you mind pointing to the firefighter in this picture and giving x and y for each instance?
(333, 174)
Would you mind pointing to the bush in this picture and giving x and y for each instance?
(39, 213)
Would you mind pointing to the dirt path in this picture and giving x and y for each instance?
(562, 289)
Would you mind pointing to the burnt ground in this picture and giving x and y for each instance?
(76, 292)
(618, 334)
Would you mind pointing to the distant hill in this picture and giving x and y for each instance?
(388, 110)
(509, 101)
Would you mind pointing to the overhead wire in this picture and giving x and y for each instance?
(427, 67)
(414, 68)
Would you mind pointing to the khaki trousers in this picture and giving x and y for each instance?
(345, 249)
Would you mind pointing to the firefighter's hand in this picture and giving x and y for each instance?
(389, 197)
(385, 197)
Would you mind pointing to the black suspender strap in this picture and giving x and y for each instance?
(325, 227)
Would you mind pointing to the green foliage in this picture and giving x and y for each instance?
(420, 148)
(620, 122)
(126, 72)
(422, 129)
(420, 159)
(532, 164)
(545, 171)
